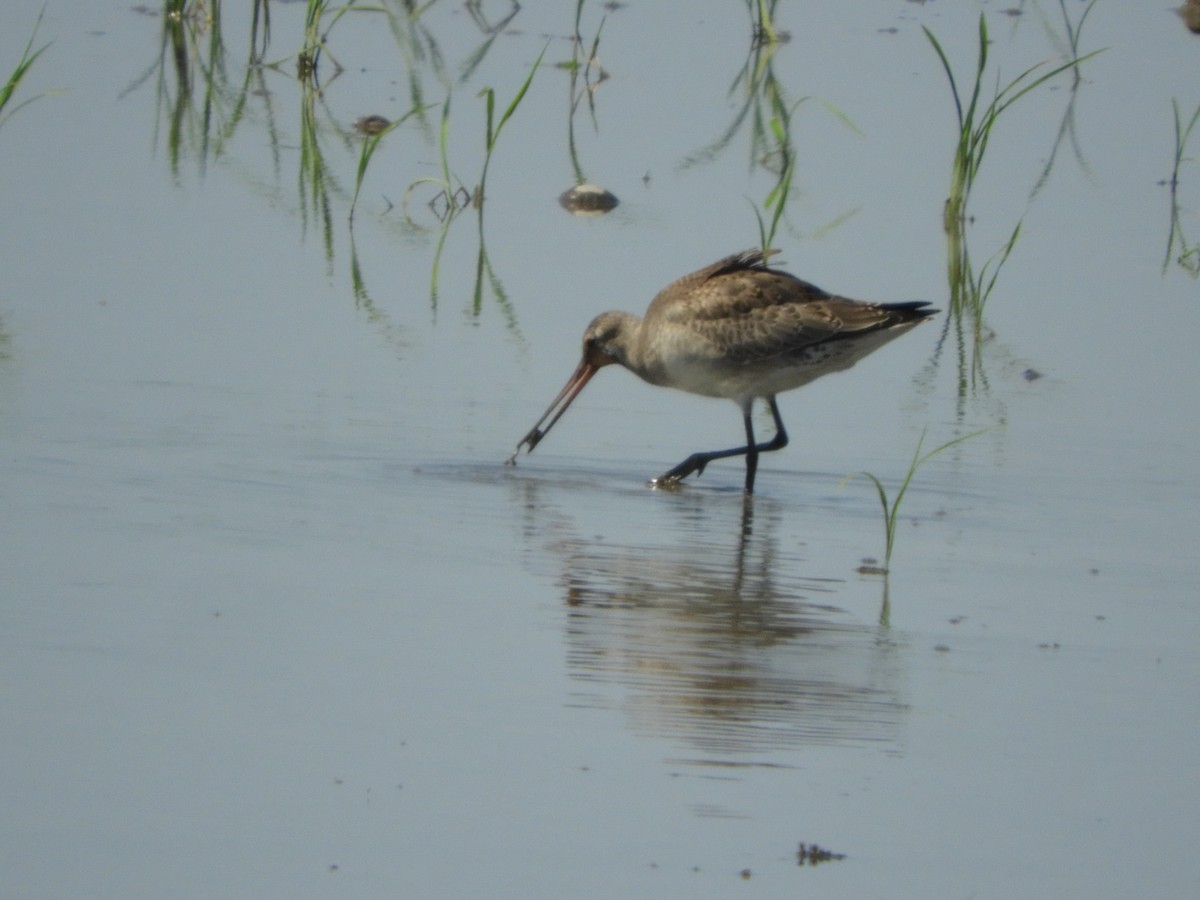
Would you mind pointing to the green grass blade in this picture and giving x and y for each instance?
(762, 228)
(1002, 101)
(23, 66)
(370, 144)
(949, 72)
(889, 519)
(443, 139)
(516, 101)
(891, 509)
(489, 133)
(981, 64)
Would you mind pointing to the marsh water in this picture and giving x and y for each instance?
(275, 619)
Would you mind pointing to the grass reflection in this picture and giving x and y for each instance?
(451, 197)
(769, 113)
(203, 111)
(491, 28)
(586, 75)
(316, 178)
(190, 47)
(1188, 256)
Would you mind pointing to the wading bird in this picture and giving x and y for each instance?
(737, 329)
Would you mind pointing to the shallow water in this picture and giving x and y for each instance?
(276, 620)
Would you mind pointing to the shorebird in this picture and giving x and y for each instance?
(740, 330)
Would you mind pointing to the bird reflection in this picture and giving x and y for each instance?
(723, 644)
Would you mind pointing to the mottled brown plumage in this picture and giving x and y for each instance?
(737, 329)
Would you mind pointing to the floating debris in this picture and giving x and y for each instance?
(870, 566)
(812, 854)
(588, 200)
(371, 124)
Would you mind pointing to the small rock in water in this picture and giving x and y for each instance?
(588, 200)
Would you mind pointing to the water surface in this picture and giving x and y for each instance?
(276, 620)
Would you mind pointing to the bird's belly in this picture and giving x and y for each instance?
(732, 380)
(740, 379)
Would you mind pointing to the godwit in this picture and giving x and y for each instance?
(736, 329)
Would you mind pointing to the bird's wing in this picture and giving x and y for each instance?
(747, 311)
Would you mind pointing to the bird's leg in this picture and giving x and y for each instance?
(697, 461)
(751, 451)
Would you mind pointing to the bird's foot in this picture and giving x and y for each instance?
(670, 481)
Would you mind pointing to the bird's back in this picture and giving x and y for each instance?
(742, 312)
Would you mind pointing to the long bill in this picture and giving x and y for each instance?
(570, 391)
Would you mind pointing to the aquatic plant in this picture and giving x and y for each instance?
(776, 200)
(449, 199)
(975, 123)
(763, 14)
(446, 203)
(28, 58)
(483, 265)
(315, 177)
(891, 507)
(492, 133)
(315, 38)
(969, 290)
(369, 145)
